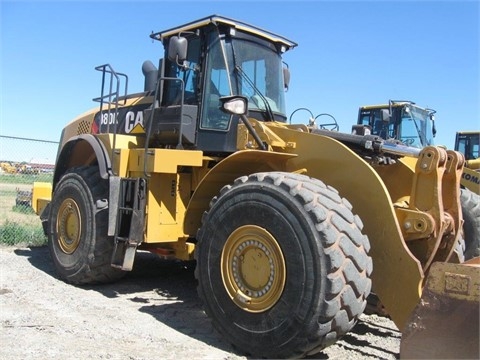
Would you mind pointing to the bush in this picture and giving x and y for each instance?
(12, 233)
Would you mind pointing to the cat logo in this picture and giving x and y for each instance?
(134, 123)
(127, 120)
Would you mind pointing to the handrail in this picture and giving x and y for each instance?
(111, 97)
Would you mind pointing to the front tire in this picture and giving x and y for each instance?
(282, 265)
(470, 203)
(78, 225)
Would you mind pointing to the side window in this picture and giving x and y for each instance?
(380, 128)
(217, 84)
(410, 133)
(475, 149)
(188, 75)
(462, 146)
(470, 146)
(365, 118)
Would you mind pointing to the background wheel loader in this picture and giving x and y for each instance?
(468, 143)
(287, 236)
(442, 311)
(413, 125)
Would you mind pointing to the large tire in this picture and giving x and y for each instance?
(282, 265)
(77, 228)
(470, 203)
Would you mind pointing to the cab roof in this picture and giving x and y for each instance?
(215, 20)
(386, 106)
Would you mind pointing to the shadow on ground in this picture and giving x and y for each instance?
(167, 291)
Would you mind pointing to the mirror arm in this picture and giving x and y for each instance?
(252, 131)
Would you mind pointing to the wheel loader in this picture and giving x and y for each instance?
(468, 143)
(286, 236)
(412, 125)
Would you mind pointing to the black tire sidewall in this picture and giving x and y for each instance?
(68, 265)
(470, 203)
(285, 218)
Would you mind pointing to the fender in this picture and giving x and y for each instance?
(84, 149)
(397, 275)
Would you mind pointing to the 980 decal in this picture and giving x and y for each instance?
(128, 120)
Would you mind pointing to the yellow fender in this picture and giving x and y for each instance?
(397, 275)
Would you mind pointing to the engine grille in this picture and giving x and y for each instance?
(83, 127)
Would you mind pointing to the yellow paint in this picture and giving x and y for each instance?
(164, 160)
(120, 162)
(41, 196)
(471, 180)
(166, 204)
(397, 274)
(458, 281)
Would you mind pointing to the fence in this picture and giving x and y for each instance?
(23, 161)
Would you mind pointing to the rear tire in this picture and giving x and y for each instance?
(470, 203)
(78, 224)
(282, 265)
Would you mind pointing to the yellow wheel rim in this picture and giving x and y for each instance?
(253, 268)
(68, 226)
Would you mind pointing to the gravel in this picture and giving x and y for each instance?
(153, 313)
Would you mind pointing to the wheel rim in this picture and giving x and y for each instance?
(253, 268)
(68, 226)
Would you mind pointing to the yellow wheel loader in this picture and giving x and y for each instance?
(446, 306)
(290, 226)
(468, 143)
(412, 125)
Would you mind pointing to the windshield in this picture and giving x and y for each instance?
(416, 127)
(242, 66)
(469, 145)
(411, 125)
(261, 79)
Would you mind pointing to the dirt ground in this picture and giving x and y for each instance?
(153, 313)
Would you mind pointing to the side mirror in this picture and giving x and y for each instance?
(177, 49)
(385, 115)
(234, 105)
(286, 77)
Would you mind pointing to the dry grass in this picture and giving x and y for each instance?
(10, 212)
(18, 224)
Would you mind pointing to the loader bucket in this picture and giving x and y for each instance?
(445, 323)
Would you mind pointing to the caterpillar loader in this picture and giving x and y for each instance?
(287, 236)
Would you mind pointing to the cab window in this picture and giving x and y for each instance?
(189, 75)
(217, 84)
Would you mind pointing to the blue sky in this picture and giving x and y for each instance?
(350, 53)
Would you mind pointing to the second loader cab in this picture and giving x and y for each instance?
(400, 120)
(208, 59)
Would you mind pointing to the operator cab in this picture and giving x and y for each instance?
(400, 120)
(468, 143)
(208, 59)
